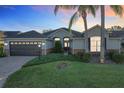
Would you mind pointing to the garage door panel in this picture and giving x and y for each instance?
(24, 49)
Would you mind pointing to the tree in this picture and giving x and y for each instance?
(118, 10)
(81, 11)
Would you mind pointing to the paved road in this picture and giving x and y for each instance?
(9, 65)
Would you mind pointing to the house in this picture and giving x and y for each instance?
(33, 43)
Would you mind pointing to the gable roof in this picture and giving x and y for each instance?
(74, 33)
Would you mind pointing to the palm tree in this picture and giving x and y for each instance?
(81, 11)
(118, 10)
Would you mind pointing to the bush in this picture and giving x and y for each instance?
(79, 54)
(118, 58)
(111, 53)
(58, 47)
(2, 53)
(86, 57)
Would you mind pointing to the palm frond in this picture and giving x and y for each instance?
(73, 19)
(66, 7)
(92, 9)
(88, 9)
(56, 9)
(118, 10)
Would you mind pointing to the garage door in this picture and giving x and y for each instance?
(25, 48)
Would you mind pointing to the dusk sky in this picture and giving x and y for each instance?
(25, 18)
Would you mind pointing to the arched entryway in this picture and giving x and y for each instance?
(66, 43)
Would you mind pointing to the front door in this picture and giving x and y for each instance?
(66, 44)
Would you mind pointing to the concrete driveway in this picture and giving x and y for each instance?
(9, 65)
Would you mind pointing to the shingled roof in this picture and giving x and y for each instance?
(17, 34)
(11, 34)
(74, 33)
(30, 34)
(116, 34)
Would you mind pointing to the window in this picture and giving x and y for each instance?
(11, 43)
(31, 42)
(15, 43)
(19, 43)
(39, 43)
(95, 43)
(66, 39)
(57, 39)
(27, 43)
(23, 42)
(35, 42)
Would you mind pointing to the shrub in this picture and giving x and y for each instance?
(118, 58)
(111, 53)
(79, 54)
(58, 47)
(86, 57)
(2, 53)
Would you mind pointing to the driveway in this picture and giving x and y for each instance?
(9, 65)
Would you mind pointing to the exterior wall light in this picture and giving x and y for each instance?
(6, 44)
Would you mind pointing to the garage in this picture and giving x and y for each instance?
(25, 48)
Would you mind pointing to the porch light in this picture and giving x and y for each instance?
(39, 46)
(5, 44)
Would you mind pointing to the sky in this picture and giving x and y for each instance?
(41, 17)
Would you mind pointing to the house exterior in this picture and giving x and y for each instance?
(33, 43)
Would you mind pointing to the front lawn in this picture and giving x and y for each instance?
(68, 74)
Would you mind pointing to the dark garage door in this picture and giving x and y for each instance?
(24, 48)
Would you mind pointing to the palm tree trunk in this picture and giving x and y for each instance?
(85, 27)
(102, 33)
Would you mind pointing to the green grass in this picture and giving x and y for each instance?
(52, 58)
(76, 74)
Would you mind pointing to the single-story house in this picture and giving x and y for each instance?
(33, 43)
